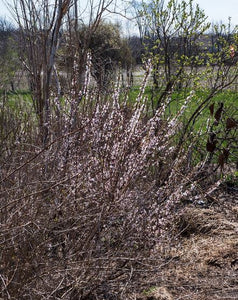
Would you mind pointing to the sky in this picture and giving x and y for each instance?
(216, 10)
(220, 10)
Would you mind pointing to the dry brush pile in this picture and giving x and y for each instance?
(81, 217)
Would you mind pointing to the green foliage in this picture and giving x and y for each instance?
(173, 33)
(148, 292)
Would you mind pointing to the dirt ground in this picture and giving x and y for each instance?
(202, 264)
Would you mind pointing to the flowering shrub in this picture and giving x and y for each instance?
(82, 216)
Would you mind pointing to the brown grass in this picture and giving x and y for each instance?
(203, 262)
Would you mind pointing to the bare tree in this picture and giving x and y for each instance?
(42, 24)
(39, 24)
(82, 23)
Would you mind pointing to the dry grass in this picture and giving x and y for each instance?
(201, 263)
(204, 259)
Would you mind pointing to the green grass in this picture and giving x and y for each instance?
(21, 101)
(226, 138)
(228, 97)
(18, 99)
